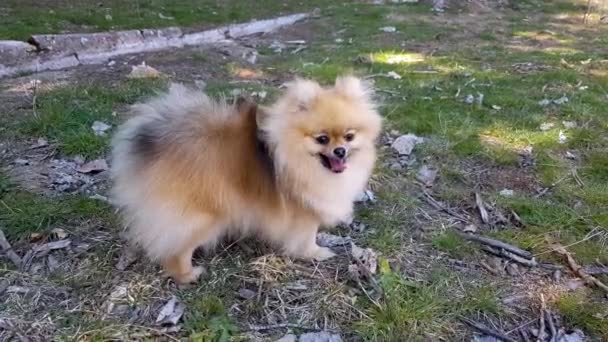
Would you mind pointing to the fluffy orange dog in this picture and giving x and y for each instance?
(188, 170)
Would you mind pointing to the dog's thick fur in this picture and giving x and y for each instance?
(188, 170)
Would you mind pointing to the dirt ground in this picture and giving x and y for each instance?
(79, 281)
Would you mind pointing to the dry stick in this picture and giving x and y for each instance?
(512, 256)
(579, 270)
(483, 212)
(497, 244)
(587, 12)
(433, 202)
(596, 270)
(8, 250)
(524, 335)
(482, 328)
(253, 327)
(541, 320)
(551, 324)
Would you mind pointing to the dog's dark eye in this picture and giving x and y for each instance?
(349, 136)
(322, 139)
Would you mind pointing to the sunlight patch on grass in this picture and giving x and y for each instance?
(397, 57)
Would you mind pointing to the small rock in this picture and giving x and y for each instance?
(393, 75)
(484, 338)
(404, 145)
(469, 99)
(546, 126)
(570, 155)
(358, 226)
(569, 124)
(562, 137)
(512, 269)
(366, 196)
(21, 162)
(246, 293)
(127, 257)
(321, 336)
(544, 102)
(561, 100)
(574, 336)
(111, 63)
(574, 284)
(41, 142)
(495, 107)
(100, 128)
(330, 240)
(108, 17)
(396, 166)
(200, 84)
(363, 59)
(388, 29)
(59, 233)
(287, 338)
(506, 193)
(471, 228)
(427, 176)
(95, 166)
(557, 276)
(171, 312)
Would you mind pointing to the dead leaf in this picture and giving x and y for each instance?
(171, 312)
(143, 71)
(404, 145)
(95, 166)
(365, 257)
(330, 240)
(100, 128)
(59, 233)
(427, 176)
(321, 336)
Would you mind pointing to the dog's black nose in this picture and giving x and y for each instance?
(340, 152)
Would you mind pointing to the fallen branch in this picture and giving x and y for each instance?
(551, 324)
(253, 327)
(541, 321)
(491, 332)
(497, 244)
(579, 270)
(8, 250)
(596, 270)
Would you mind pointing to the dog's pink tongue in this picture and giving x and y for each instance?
(337, 165)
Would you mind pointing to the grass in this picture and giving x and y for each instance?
(24, 18)
(23, 213)
(439, 69)
(580, 312)
(65, 115)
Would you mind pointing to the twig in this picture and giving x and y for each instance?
(253, 327)
(579, 270)
(551, 324)
(482, 328)
(589, 236)
(541, 321)
(524, 335)
(497, 244)
(596, 270)
(433, 202)
(483, 212)
(8, 250)
(512, 256)
(488, 268)
(587, 12)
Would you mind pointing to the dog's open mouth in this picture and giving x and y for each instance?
(335, 165)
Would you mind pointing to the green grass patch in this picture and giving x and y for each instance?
(22, 213)
(578, 311)
(208, 320)
(449, 242)
(66, 115)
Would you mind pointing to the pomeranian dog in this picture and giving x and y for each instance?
(188, 170)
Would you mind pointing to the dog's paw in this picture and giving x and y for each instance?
(322, 253)
(191, 277)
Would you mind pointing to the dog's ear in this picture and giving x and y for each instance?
(353, 87)
(303, 92)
